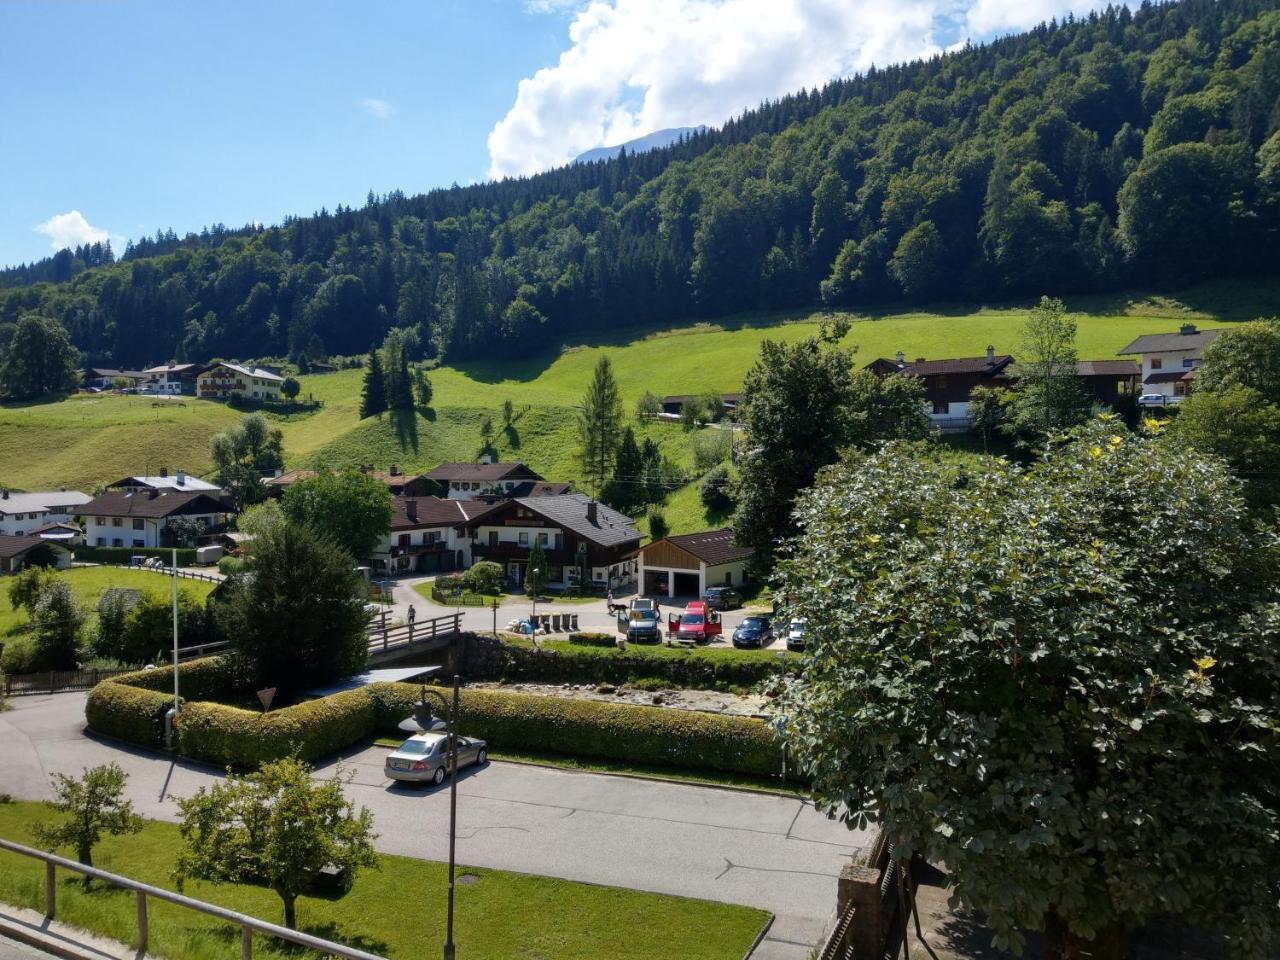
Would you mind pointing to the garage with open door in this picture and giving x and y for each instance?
(687, 585)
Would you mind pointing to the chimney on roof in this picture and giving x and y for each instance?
(991, 355)
(484, 458)
(152, 493)
(591, 512)
(902, 358)
(182, 477)
(164, 471)
(1187, 329)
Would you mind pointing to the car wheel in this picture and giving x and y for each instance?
(482, 757)
(438, 778)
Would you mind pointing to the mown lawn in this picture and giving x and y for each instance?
(89, 583)
(86, 440)
(397, 911)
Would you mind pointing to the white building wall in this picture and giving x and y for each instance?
(19, 524)
(1179, 361)
(103, 532)
(470, 489)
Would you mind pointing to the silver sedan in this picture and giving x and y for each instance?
(424, 757)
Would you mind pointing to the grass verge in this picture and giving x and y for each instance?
(397, 911)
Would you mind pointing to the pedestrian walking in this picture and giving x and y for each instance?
(413, 614)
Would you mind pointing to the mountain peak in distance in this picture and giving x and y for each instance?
(651, 141)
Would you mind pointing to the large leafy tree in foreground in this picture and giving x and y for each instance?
(1063, 682)
(351, 508)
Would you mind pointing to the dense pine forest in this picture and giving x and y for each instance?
(1125, 149)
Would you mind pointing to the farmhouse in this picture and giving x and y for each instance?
(26, 513)
(574, 530)
(948, 384)
(467, 481)
(1169, 362)
(397, 481)
(19, 552)
(426, 536)
(685, 565)
(143, 519)
(104, 378)
(223, 380)
(178, 480)
(672, 405)
(172, 378)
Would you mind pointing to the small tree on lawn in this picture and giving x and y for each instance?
(94, 806)
(56, 622)
(276, 826)
(27, 585)
(423, 387)
(657, 524)
(536, 572)
(298, 620)
(1061, 682)
(290, 388)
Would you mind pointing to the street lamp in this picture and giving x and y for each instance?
(533, 592)
(424, 720)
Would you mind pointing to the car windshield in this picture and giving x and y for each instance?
(415, 746)
(749, 627)
(755, 623)
(693, 618)
(797, 626)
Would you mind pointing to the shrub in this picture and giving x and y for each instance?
(713, 491)
(20, 655)
(127, 712)
(230, 566)
(209, 678)
(651, 735)
(484, 577)
(247, 738)
(593, 639)
(657, 523)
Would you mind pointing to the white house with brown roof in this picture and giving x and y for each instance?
(120, 518)
(223, 380)
(26, 513)
(686, 564)
(171, 379)
(426, 535)
(1169, 362)
(467, 481)
(19, 552)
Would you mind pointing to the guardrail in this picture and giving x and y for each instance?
(383, 640)
(248, 925)
(182, 574)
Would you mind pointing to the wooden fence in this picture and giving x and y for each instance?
(55, 681)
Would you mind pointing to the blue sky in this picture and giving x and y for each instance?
(120, 118)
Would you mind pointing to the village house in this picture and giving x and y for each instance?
(172, 379)
(1111, 383)
(223, 380)
(1169, 362)
(179, 480)
(948, 384)
(122, 518)
(426, 536)
(687, 564)
(42, 513)
(16, 553)
(674, 404)
(468, 481)
(398, 482)
(574, 530)
(104, 378)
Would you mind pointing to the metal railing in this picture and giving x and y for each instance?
(144, 891)
(201, 650)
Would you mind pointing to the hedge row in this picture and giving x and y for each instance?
(589, 728)
(131, 706)
(594, 639)
(561, 662)
(121, 555)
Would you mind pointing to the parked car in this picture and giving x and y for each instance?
(696, 625)
(640, 623)
(796, 635)
(1157, 400)
(722, 598)
(424, 757)
(753, 632)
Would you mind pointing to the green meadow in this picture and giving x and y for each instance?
(85, 440)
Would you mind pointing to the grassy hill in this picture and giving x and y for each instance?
(90, 439)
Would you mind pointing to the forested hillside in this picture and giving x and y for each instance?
(1126, 149)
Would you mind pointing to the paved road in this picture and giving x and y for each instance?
(772, 852)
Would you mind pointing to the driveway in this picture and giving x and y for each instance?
(766, 851)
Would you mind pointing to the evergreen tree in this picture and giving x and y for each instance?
(39, 360)
(373, 397)
(625, 489)
(600, 426)
(424, 389)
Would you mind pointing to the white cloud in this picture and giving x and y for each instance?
(70, 229)
(553, 6)
(635, 66)
(380, 109)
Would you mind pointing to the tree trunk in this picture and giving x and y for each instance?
(1061, 944)
(290, 909)
(85, 855)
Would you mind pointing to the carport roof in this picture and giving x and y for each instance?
(712, 547)
(11, 547)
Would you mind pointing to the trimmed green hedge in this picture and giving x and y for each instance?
(593, 639)
(121, 555)
(588, 728)
(209, 678)
(559, 661)
(247, 738)
(128, 712)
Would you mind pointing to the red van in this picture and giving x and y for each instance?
(696, 625)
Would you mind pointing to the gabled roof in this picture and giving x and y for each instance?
(482, 472)
(414, 513)
(1188, 338)
(258, 372)
(711, 546)
(955, 365)
(110, 372)
(40, 501)
(152, 504)
(292, 477)
(178, 368)
(1107, 368)
(11, 547)
(170, 482)
(570, 512)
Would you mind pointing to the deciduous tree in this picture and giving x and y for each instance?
(350, 508)
(94, 806)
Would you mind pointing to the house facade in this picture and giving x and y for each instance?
(223, 380)
(104, 378)
(121, 518)
(469, 481)
(172, 379)
(575, 532)
(1169, 362)
(426, 535)
(686, 565)
(22, 514)
(949, 384)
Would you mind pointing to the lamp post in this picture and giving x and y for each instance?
(533, 592)
(423, 719)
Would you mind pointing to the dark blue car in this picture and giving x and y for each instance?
(753, 632)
